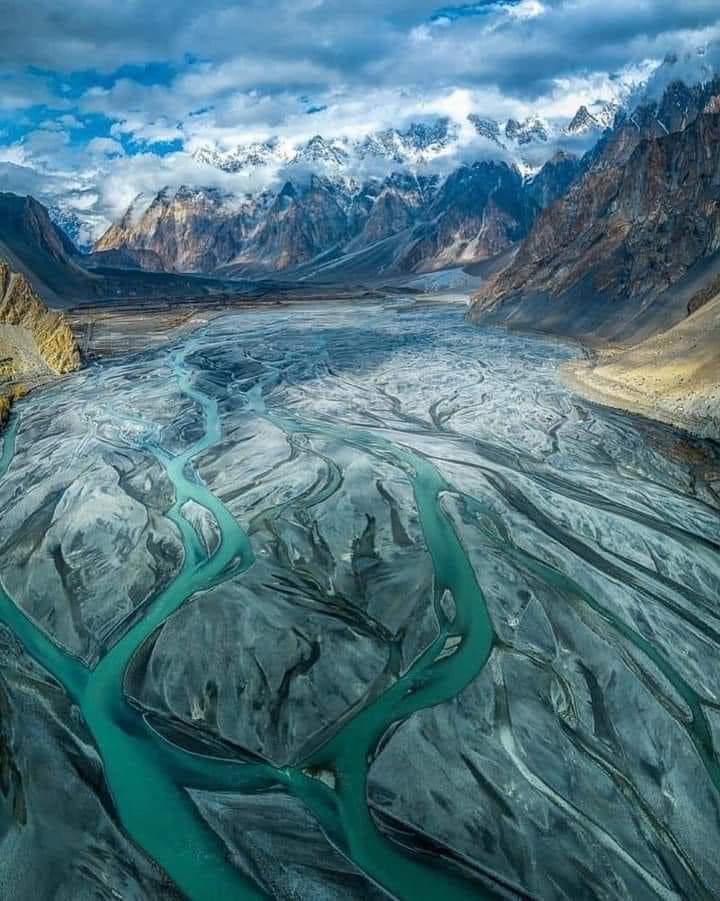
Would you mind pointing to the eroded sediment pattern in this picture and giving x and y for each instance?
(356, 602)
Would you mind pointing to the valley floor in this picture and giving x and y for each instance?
(354, 602)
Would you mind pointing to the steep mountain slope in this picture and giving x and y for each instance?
(644, 217)
(301, 223)
(553, 180)
(601, 117)
(72, 224)
(35, 246)
(480, 211)
(33, 340)
(124, 258)
(631, 254)
(476, 212)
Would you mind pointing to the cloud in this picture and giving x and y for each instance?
(102, 99)
(105, 147)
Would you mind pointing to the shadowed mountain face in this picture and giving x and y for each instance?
(43, 254)
(479, 212)
(35, 246)
(476, 212)
(630, 247)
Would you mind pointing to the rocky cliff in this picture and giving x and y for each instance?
(33, 339)
(22, 309)
(180, 228)
(479, 212)
(476, 212)
(644, 219)
(302, 222)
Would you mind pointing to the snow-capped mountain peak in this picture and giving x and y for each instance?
(320, 150)
(582, 122)
(532, 130)
(73, 226)
(244, 157)
(486, 128)
(415, 145)
(596, 118)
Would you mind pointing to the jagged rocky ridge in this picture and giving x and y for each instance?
(476, 212)
(325, 216)
(32, 338)
(631, 245)
(21, 308)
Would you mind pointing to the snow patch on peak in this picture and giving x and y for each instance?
(532, 130)
(320, 150)
(244, 157)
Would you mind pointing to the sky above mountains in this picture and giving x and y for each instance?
(101, 100)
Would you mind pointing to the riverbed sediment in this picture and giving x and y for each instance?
(309, 586)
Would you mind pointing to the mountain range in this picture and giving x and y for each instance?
(401, 223)
(638, 232)
(331, 214)
(420, 144)
(330, 198)
(323, 222)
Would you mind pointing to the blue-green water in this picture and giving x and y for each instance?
(148, 776)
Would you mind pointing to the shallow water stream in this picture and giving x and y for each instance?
(375, 571)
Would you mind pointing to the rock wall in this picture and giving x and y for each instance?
(51, 333)
(33, 339)
(602, 258)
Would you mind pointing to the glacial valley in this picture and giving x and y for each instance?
(355, 601)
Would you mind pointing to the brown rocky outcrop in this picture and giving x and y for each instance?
(50, 332)
(178, 227)
(476, 212)
(630, 229)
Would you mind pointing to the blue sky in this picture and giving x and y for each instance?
(100, 99)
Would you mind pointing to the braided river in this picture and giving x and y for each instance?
(355, 602)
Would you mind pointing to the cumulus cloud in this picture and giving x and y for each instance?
(104, 99)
